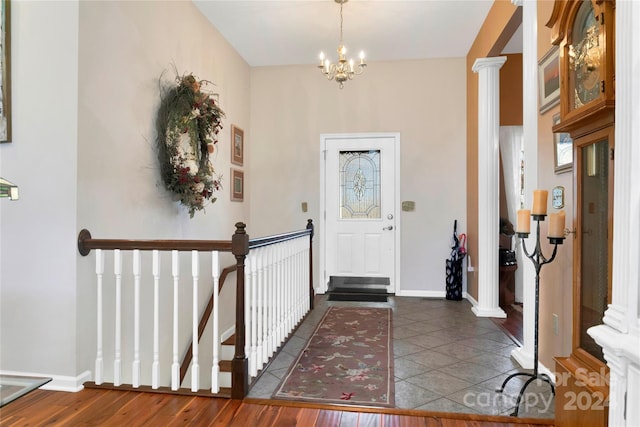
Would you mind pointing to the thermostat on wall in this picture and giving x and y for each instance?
(557, 197)
(408, 206)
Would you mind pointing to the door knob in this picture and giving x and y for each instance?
(390, 227)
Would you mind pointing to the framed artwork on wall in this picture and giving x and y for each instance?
(562, 149)
(5, 71)
(549, 79)
(237, 145)
(237, 185)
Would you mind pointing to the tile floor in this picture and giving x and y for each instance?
(445, 359)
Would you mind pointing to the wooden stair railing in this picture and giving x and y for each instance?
(239, 246)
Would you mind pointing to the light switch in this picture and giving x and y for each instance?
(304, 206)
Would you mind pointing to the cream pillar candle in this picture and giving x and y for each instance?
(524, 221)
(539, 202)
(556, 224)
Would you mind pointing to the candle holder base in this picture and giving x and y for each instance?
(532, 377)
(556, 240)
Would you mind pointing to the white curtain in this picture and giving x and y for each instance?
(511, 153)
(512, 167)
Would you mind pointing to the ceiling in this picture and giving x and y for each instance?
(289, 32)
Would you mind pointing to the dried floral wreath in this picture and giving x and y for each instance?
(188, 124)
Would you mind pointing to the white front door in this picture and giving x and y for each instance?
(360, 205)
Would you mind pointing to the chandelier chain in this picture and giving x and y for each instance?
(341, 4)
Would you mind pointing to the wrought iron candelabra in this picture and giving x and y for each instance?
(538, 261)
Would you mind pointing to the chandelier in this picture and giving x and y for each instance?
(344, 69)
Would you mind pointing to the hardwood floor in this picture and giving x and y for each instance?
(512, 324)
(93, 407)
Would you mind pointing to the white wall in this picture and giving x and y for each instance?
(37, 275)
(423, 100)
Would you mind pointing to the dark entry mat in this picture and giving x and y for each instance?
(358, 297)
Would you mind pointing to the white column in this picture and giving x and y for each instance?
(488, 70)
(524, 355)
(622, 314)
(619, 336)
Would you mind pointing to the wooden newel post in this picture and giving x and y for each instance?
(311, 291)
(240, 365)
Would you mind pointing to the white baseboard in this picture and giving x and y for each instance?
(421, 294)
(471, 299)
(524, 358)
(58, 382)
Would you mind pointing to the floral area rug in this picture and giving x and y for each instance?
(347, 360)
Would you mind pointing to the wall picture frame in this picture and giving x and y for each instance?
(562, 149)
(549, 79)
(237, 185)
(237, 145)
(5, 71)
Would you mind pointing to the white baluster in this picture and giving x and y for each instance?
(300, 280)
(281, 293)
(215, 368)
(289, 281)
(271, 290)
(135, 368)
(175, 366)
(117, 270)
(295, 247)
(195, 366)
(155, 367)
(247, 309)
(260, 310)
(253, 362)
(99, 358)
(295, 283)
(304, 277)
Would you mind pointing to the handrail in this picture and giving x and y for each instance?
(270, 240)
(86, 243)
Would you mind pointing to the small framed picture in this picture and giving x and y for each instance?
(549, 79)
(237, 145)
(562, 149)
(237, 185)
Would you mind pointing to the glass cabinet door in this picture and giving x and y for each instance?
(594, 228)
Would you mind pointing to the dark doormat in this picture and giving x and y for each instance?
(358, 297)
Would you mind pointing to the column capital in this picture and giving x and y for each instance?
(493, 62)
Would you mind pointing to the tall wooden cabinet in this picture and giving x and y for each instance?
(584, 30)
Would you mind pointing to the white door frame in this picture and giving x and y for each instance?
(322, 279)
